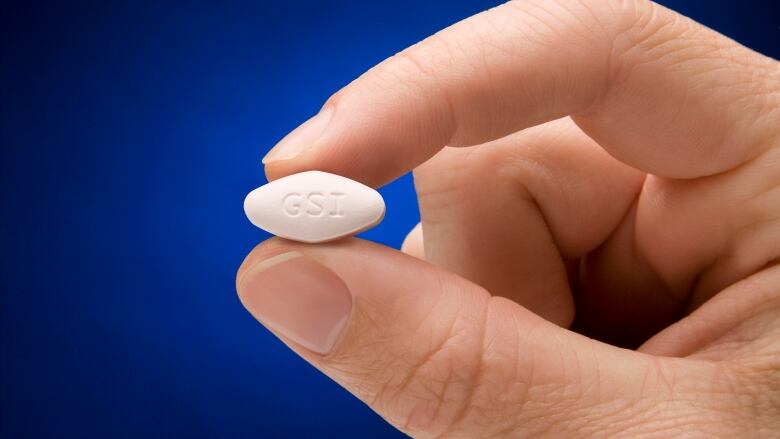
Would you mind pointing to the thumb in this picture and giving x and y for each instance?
(431, 352)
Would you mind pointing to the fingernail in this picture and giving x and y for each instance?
(298, 298)
(301, 138)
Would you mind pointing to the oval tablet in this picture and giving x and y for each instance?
(314, 206)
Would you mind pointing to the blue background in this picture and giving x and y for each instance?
(130, 134)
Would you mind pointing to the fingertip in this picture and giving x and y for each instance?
(413, 243)
(262, 251)
(281, 168)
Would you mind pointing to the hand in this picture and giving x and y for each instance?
(624, 193)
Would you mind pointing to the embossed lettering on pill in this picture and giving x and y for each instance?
(314, 206)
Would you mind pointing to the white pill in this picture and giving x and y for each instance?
(314, 206)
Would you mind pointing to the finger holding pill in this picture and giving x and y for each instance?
(314, 206)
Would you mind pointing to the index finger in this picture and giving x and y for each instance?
(657, 90)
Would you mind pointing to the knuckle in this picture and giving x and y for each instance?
(504, 171)
(417, 66)
(412, 71)
(424, 58)
(645, 33)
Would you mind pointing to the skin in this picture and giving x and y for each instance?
(599, 186)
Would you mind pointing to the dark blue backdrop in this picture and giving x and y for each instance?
(130, 135)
